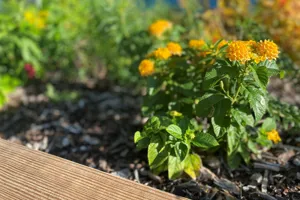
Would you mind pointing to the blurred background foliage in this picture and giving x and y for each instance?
(76, 41)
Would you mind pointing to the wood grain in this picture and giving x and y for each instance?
(27, 174)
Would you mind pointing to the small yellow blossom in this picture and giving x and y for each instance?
(174, 48)
(40, 23)
(196, 44)
(146, 67)
(174, 113)
(267, 50)
(159, 27)
(239, 51)
(36, 20)
(162, 53)
(274, 136)
(29, 16)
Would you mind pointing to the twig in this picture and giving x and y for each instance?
(266, 166)
(264, 183)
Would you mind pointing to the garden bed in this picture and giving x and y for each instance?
(97, 130)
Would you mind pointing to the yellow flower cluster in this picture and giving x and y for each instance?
(266, 49)
(162, 53)
(146, 67)
(174, 48)
(36, 19)
(239, 51)
(274, 136)
(165, 53)
(243, 51)
(281, 18)
(197, 44)
(159, 27)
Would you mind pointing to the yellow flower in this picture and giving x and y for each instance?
(29, 17)
(274, 136)
(267, 49)
(159, 27)
(162, 53)
(196, 44)
(35, 20)
(40, 23)
(175, 113)
(146, 67)
(239, 51)
(174, 48)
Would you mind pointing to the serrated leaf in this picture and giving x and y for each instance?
(157, 143)
(260, 75)
(152, 124)
(192, 165)
(269, 124)
(242, 118)
(233, 140)
(181, 150)
(204, 108)
(257, 101)
(205, 140)
(216, 127)
(175, 131)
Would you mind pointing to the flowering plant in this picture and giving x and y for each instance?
(209, 97)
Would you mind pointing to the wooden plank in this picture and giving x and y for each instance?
(31, 175)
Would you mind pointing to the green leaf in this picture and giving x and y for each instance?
(161, 168)
(271, 66)
(221, 110)
(181, 150)
(143, 143)
(161, 157)
(175, 166)
(154, 85)
(137, 136)
(233, 160)
(244, 153)
(269, 124)
(152, 124)
(257, 101)
(2, 98)
(192, 165)
(205, 106)
(252, 146)
(175, 131)
(233, 140)
(261, 76)
(216, 127)
(156, 146)
(205, 140)
(242, 118)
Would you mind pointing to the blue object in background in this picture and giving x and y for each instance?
(212, 3)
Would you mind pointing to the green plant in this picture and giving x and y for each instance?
(209, 97)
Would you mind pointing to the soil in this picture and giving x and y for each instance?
(97, 130)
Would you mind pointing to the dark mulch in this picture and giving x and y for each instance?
(97, 130)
